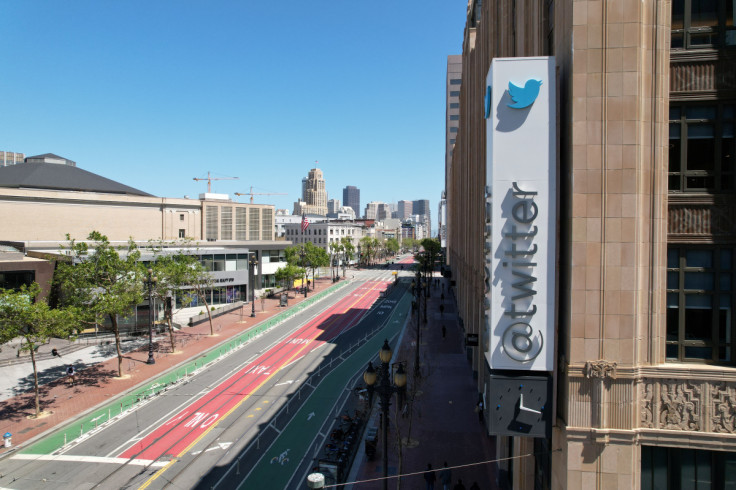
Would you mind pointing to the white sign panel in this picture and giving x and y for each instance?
(521, 205)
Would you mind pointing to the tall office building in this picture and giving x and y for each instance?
(421, 208)
(333, 207)
(315, 201)
(633, 126)
(10, 158)
(404, 210)
(452, 103)
(351, 197)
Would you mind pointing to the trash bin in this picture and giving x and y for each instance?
(7, 438)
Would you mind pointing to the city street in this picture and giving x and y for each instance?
(255, 415)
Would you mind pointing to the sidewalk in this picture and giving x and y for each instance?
(445, 425)
(99, 383)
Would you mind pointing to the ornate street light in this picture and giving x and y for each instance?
(385, 388)
(302, 254)
(253, 264)
(150, 283)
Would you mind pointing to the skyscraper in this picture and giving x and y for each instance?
(405, 209)
(421, 208)
(315, 195)
(351, 197)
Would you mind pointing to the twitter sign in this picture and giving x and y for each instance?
(521, 207)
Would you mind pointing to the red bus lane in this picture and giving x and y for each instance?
(182, 431)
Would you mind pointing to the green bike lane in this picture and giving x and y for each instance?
(285, 456)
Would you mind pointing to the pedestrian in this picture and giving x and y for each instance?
(479, 408)
(459, 485)
(474, 486)
(55, 353)
(442, 296)
(70, 374)
(429, 477)
(442, 310)
(444, 331)
(446, 477)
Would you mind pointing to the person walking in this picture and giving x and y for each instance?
(446, 477)
(444, 331)
(430, 477)
(442, 310)
(479, 408)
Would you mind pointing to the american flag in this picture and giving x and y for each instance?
(305, 222)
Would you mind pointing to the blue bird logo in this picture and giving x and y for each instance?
(524, 97)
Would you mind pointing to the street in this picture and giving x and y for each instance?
(255, 415)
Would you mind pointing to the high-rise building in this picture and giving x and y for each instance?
(333, 207)
(421, 208)
(315, 201)
(371, 209)
(10, 158)
(351, 197)
(452, 103)
(404, 210)
(634, 115)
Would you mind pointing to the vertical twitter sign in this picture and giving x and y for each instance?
(521, 208)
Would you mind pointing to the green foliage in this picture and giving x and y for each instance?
(22, 315)
(392, 245)
(101, 282)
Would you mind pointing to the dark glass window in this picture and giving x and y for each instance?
(702, 24)
(454, 105)
(455, 81)
(15, 279)
(684, 469)
(701, 148)
(700, 322)
(454, 94)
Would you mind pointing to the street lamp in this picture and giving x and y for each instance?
(359, 256)
(150, 283)
(385, 389)
(302, 254)
(253, 264)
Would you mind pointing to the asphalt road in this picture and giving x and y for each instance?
(254, 419)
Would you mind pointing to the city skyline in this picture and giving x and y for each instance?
(156, 110)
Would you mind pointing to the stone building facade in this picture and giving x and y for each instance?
(645, 377)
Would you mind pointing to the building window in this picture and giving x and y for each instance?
(454, 105)
(182, 233)
(454, 117)
(700, 321)
(181, 217)
(680, 468)
(452, 141)
(455, 81)
(701, 148)
(702, 24)
(454, 93)
(453, 130)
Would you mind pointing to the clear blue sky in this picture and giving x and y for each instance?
(154, 93)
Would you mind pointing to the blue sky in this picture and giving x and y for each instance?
(154, 93)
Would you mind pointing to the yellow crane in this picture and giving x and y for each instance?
(210, 179)
(251, 194)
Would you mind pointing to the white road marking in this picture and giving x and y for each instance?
(91, 459)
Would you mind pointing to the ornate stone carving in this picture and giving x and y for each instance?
(723, 408)
(647, 409)
(679, 407)
(600, 369)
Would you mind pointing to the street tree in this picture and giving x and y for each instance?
(23, 314)
(101, 280)
(392, 245)
(176, 272)
(286, 274)
(348, 250)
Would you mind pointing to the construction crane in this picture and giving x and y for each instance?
(251, 194)
(210, 179)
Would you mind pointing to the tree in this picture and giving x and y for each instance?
(315, 257)
(285, 275)
(348, 250)
(336, 249)
(102, 283)
(23, 314)
(175, 273)
(392, 245)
